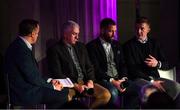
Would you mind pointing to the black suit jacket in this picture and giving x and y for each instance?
(61, 65)
(135, 59)
(24, 78)
(98, 58)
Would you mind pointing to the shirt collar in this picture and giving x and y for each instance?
(143, 41)
(67, 44)
(26, 42)
(104, 42)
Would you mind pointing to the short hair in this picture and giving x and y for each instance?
(68, 24)
(141, 20)
(106, 22)
(27, 26)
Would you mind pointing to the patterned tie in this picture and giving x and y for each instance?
(76, 62)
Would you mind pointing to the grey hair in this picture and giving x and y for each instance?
(69, 24)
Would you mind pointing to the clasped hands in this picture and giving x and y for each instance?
(81, 87)
(117, 84)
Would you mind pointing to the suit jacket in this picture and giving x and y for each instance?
(99, 60)
(135, 59)
(61, 65)
(24, 78)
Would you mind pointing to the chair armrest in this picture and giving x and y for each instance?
(168, 74)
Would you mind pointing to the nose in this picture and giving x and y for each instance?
(139, 30)
(113, 33)
(76, 37)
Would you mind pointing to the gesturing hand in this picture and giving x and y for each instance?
(80, 88)
(90, 84)
(151, 61)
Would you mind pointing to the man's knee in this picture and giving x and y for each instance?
(114, 93)
(105, 95)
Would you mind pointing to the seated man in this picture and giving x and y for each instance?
(25, 83)
(144, 56)
(69, 58)
(107, 58)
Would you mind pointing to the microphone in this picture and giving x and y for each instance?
(89, 91)
(124, 84)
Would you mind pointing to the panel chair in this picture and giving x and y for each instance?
(168, 74)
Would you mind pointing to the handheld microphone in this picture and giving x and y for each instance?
(124, 84)
(89, 91)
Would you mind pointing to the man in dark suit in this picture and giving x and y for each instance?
(25, 83)
(144, 56)
(107, 57)
(69, 58)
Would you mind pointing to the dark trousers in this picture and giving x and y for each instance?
(54, 99)
(172, 88)
(128, 99)
(115, 99)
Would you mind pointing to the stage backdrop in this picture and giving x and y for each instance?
(88, 13)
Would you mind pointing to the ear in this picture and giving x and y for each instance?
(30, 35)
(149, 29)
(102, 31)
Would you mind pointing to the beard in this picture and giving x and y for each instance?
(108, 38)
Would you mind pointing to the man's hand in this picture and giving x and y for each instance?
(80, 88)
(117, 84)
(54, 82)
(58, 86)
(158, 85)
(90, 84)
(151, 61)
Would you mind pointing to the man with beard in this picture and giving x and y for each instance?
(107, 58)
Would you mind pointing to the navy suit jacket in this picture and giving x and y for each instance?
(61, 64)
(24, 77)
(98, 58)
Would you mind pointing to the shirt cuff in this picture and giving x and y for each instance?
(159, 64)
(49, 80)
(124, 78)
(151, 79)
(111, 79)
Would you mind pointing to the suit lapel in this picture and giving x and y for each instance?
(115, 50)
(66, 52)
(34, 59)
(101, 50)
(24, 46)
(79, 55)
